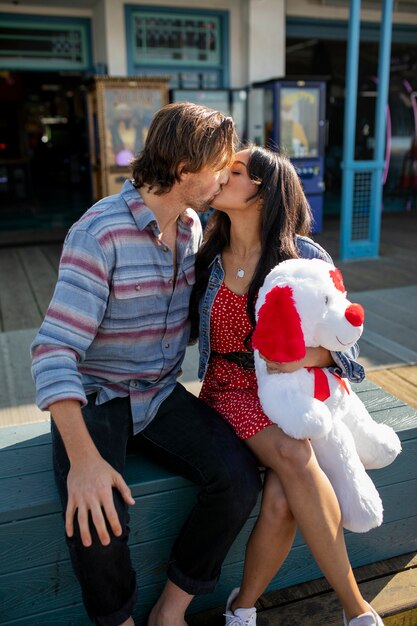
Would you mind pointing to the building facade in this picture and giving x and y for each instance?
(50, 50)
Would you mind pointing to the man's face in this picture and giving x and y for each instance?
(200, 188)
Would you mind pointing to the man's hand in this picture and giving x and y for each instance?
(315, 357)
(90, 480)
(90, 485)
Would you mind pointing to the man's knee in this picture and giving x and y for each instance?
(97, 553)
(105, 574)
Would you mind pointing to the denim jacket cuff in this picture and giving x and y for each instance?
(347, 367)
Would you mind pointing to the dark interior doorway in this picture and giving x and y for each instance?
(44, 155)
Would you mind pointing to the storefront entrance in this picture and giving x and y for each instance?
(318, 49)
(44, 158)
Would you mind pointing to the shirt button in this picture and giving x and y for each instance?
(165, 248)
(137, 287)
(171, 280)
(167, 345)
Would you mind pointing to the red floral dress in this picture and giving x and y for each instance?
(227, 387)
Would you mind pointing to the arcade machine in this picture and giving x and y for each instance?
(294, 123)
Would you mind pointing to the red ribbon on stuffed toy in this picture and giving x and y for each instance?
(321, 383)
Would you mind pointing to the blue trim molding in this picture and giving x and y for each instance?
(301, 28)
(34, 42)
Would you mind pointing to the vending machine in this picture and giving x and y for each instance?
(294, 123)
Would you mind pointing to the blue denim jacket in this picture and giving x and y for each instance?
(346, 364)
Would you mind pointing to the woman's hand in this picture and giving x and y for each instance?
(315, 357)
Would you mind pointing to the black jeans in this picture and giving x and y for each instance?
(192, 439)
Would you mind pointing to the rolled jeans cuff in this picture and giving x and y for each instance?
(119, 616)
(190, 585)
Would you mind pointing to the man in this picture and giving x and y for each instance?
(106, 361)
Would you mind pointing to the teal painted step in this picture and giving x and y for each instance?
(33, 555)
(295, 570)
(38, 540)
(54, 578)
(44, 584)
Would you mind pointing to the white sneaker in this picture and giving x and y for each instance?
(239, 617)
(370, 618)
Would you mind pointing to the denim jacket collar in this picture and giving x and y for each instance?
(346, 364)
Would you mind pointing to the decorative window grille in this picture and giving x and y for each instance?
(361, 205)
(187, 45)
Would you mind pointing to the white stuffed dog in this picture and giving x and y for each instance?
(303, 303)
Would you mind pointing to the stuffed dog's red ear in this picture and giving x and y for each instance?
(337, 278)
(278, 335)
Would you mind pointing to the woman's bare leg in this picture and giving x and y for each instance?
(316, 510)
(269, 543)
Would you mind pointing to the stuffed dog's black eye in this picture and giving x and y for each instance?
(326, 299)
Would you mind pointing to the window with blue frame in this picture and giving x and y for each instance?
(188, 45)
(33, 42)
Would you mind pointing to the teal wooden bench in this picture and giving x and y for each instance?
(37, 586)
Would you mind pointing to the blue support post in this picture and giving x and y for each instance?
(380, 120)
(352, 61)
(362, 180)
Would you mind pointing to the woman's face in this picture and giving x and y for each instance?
(235, 193)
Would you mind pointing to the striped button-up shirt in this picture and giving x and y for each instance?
(117, 324)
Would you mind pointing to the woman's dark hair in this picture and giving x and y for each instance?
(285, 213)
(183, 132)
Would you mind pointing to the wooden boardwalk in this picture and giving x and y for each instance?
(396, 265)
(28, 272)
(390, 585)
(386, 287)
(27, 278)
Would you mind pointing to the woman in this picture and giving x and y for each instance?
(263, 218)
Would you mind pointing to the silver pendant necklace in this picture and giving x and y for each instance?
(240, 272)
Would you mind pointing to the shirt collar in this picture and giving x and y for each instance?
(142, 214)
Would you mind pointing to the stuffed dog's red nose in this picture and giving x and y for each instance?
(355, 314)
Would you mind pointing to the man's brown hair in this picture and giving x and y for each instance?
(187, 133)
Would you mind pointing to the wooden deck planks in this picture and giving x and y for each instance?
(390, 585)
(387, 594)
(22, 414)
(40, 272)
(387, 288)
(27, 281)
(387, 326)
(397, 264)
(400, 381)
(398, 301)
(53, 254)
(17, 303)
